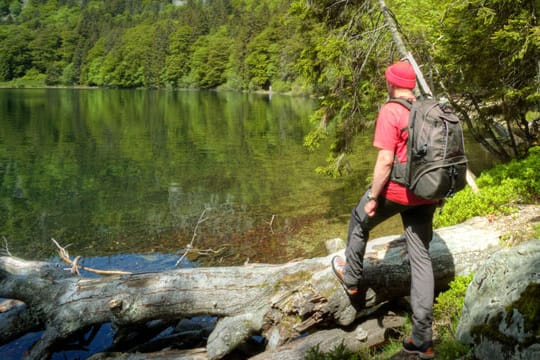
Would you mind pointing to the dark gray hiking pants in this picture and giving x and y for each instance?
(418, 225)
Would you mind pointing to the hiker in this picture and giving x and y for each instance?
(386, 198)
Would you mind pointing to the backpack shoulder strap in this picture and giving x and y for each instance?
(406, 103)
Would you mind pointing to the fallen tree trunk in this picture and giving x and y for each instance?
(279, 302)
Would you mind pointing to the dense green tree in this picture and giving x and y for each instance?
(15, 55)
(217, 13)
(490, 55)
(209, 59)
(263, 58)
(43, 48)
(192, 14)
(4, 8)
(116, 7)
(156, 56)
(88, 29)
(178, 55)
(95, 59)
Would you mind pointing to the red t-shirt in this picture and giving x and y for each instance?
(393, 118)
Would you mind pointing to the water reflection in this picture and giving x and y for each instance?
(116, 171)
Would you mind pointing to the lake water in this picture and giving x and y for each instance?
(138, 172)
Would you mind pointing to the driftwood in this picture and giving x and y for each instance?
(278, 302)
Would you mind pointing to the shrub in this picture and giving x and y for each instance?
(500, 188)
(446, 313)
(448, 305)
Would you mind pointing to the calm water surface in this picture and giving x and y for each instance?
(125, 171)
(149, 172)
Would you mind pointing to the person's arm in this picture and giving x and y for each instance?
(381, 174)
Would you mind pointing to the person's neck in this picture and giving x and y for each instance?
(402, 93)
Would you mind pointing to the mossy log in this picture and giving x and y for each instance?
(279, 302)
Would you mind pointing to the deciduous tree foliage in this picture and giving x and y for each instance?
(490, 55)
(483, 55)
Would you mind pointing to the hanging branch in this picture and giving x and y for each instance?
(424, 87)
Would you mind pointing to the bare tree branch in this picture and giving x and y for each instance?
(189, 246)
(5, 251)
(64, 255)
(271, 223)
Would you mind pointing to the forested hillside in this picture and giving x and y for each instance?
(484, 55)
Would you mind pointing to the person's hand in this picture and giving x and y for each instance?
(370, 208)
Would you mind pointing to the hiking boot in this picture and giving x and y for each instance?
(424, 351)
(338, 266)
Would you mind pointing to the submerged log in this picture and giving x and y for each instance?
(279, 302)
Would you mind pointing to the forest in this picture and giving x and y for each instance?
(483, 55)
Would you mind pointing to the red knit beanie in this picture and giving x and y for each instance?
(401, 74)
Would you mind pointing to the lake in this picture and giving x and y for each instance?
(120, 173)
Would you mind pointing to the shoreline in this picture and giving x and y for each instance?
(88, 87)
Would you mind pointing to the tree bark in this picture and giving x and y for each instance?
(279, 302)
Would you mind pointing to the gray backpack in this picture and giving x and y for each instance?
(436, 163)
